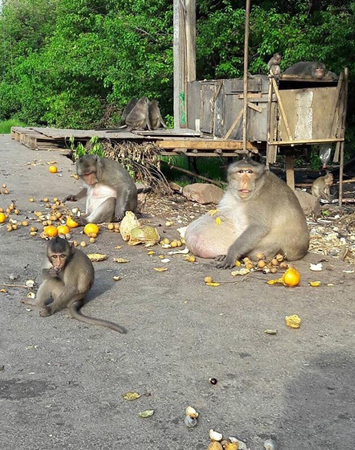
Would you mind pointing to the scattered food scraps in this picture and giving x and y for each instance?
(131, 396)
(94, 257)
(293, 321)
(147, 413)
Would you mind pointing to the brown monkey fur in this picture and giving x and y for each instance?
(155, 117)
(314, 69)
(274, 65)
(138, 118)
(321, 186)
(108, 188)
(68, 275)
(258, 213)
(128, 108)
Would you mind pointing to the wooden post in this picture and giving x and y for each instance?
(245, 83)
(177, 42)
(270, 149)
(190, 40)
(343, 118)
(184, 56)
(289, 166)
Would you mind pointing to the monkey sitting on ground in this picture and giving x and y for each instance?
(108, 187)
(138, 118)
(155, 117)
(68, 275)
(274, 66)
(321, 187)
(258, 213)
(316, 70)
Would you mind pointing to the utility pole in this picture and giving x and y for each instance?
(184, 47)
(245, 81)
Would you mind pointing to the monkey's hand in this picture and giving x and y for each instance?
(53, 272)
(225, 262)
(70, 198)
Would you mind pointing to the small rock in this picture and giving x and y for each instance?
(203, 193)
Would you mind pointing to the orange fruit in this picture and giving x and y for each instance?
(53, 169)
(291, 277)
(50, 231)
(63, 229)
(2, 217)
(91, 228)
(71, 223)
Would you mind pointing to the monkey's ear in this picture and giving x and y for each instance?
(72, 248)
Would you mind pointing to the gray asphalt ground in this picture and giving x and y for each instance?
(62, 381)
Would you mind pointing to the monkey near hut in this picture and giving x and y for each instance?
(108, 188)
(314, 69)
(155, 117)
(321, 186)
(138, 117)
(128, 108)
(68, 275)
(274, 66)
(258, 213)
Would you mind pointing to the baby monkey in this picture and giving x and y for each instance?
(321, 186)
(274, 66)
(68, 275)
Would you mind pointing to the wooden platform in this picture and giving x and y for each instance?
(171, 142)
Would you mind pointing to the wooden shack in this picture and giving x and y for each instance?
(282, 117)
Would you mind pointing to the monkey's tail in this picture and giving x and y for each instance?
(75, 312)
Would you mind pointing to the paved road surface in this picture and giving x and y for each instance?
(62, 381)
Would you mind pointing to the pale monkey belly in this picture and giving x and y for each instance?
(97, 195)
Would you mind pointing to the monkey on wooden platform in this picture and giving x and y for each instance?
(138, 117)
(274, 66)
(155, 117)
(68, 275)
(314, 69)
(127, 109)
(258, 213)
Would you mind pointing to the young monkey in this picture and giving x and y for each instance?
(68, 276)
(274, 66)
(321, 186)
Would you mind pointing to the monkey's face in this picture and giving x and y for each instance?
(329, 180)
(58, 260)
(59, 251)
(319, 71)
(86, 168)
(89, 178)
(243, 182)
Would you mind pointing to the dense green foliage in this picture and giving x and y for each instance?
(76, 63)
(6, 125)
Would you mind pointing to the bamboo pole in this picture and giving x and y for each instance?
(234, 124)
(269, 158)
(282, 111)
(245, 82)
(341, 168)
(308, 141)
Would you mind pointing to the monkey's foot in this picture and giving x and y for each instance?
(223, 262)
(45, 311)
